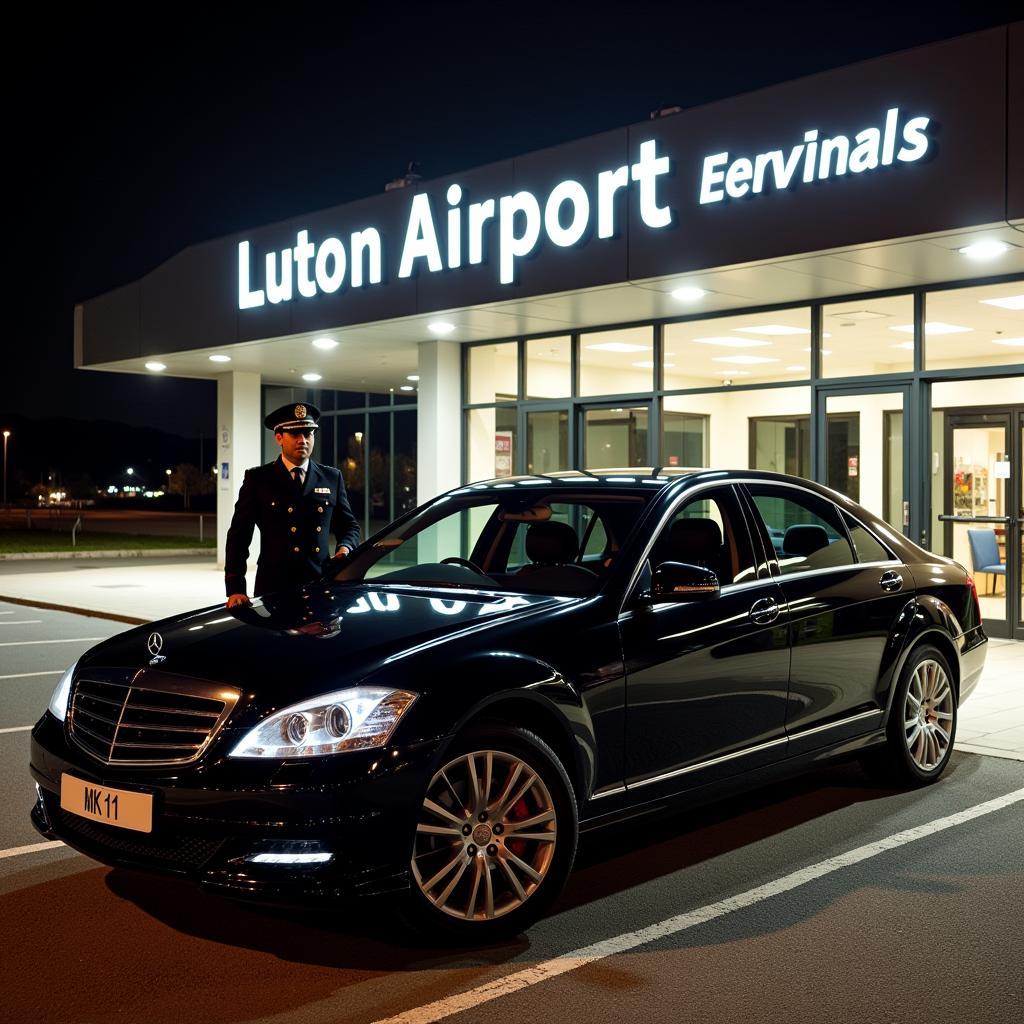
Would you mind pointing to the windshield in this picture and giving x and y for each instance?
(555, 542)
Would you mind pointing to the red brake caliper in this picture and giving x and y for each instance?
(519, 812)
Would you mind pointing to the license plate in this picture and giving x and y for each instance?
(119, 807)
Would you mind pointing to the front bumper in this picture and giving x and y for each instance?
(210, 818)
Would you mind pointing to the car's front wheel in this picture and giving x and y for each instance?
(922, 722)
(495, 838)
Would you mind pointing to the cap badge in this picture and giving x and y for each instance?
(300, 412)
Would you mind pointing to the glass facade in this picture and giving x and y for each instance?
(863, 394)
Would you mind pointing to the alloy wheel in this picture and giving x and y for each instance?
(486, 836)
(928, 715)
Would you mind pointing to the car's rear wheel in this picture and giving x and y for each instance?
(922, 722)
(495, 838)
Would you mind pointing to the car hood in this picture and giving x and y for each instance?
(312, 636)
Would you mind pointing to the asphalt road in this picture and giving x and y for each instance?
(929, 930)
(104, 520)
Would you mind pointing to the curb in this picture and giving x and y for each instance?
(28, 556)
(92, 613)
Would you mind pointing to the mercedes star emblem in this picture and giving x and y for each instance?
(155, 644)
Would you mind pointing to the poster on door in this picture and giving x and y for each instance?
(503, 453)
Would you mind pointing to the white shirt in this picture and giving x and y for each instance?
(304, 466)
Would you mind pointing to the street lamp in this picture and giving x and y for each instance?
(7, 434)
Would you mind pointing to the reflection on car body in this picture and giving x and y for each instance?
(511, 663)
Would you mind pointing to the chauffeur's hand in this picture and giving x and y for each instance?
(341, 552)
(236, 599)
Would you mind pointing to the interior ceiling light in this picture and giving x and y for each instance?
(824, 351)
(860, 314)
(413, 376)
(406, 387)
(156, 367)
(796, 369)
(618, 346)
(688, 293)
(648, 364)
(440, 327)
(1009, 302)
(325, 343)
(986, 249)
(312, 377)
(933, 327)
(744, 360)
(904, 344)
(728, 342)
(778, 329)
(220, 359)
(1012, 342)
(732, 373)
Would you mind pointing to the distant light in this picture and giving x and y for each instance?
(688, 294)
(1010, 302)
(130, 471)
(743, 359)
(312, 377)
(796, 369)
(440, 327)
(987, 249)
(778, 329)
(167, 471)
(324, 343)
(618, 346)
(220, 359)
(728, 341)
(413, 377)
(406, 387)
(1012, 342)
(904, 344)
(933, 327)
(156, 367)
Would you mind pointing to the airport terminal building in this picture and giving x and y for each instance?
(825, 277)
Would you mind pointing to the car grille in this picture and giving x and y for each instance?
(173, 851)
(146, 718)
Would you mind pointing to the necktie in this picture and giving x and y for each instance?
(297, 474)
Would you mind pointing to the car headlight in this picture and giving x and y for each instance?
(354, 719)
(58, 705)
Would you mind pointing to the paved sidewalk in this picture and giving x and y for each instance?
(143, 589)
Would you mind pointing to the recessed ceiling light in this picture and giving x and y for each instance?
(413, 376)
(824, 351)
(406, 387)
(688, 293)
(986, 249)
(440, 327)
(156, 367)
(1012, 342)
(728, 342)
(933, 327)
(618, 346)
(220, 359)
(324, 343)
(743, 360)
(1009, 302)
(732, 373)
(312, 377)
(796, 369)
(778, 329)
(648, 364)
(904, 344)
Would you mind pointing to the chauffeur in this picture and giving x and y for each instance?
(296, 503)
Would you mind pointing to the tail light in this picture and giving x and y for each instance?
(974, 594)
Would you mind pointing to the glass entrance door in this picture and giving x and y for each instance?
(982, 492)
(615, 436)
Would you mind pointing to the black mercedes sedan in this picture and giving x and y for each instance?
(500, 669)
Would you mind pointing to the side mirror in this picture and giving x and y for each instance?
(677, 581)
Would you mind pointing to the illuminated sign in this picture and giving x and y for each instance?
(457, 234)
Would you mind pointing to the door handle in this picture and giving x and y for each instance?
(890, 581)
(764, 611)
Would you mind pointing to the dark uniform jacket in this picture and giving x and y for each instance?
(294, 526)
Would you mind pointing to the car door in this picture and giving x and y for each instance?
(706, 680)
(844, 591)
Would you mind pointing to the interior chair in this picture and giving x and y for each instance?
(985, 554)
(695, 542)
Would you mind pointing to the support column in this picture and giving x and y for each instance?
(239, 437)
(438, 419)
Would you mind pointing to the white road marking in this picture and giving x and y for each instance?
(17, 728)
(442, 1008)
(22, 622)
(72, 640)
(17, 851)
(28, 675)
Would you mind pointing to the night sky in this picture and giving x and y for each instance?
(132, 143)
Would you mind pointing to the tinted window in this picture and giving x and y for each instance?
(805, 531)
(868, 549)
(709, 531)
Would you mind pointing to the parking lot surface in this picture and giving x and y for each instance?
(749, 909)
